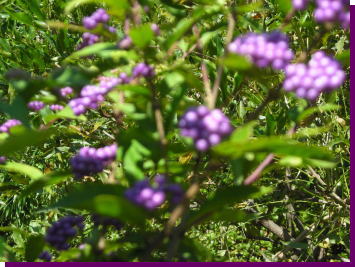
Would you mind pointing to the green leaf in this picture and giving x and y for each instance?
(137, 89)
(242, 134)
(281, 146)
(23, 138)
(291, 161)
(231, 216)
(4, 187)
(92, 50)
(312, 110)
(13, 229)
(208, 36)
(66, 113)
(108, 205)
(34, 6)
(104, 199)
(284, 5)
(224, 197)
(116, 55)
(311, 131)
(29, 171)
(141, 35)
(76, 3)
(72, 76)
(46, 181)
(116, 7)
(133, 159)
(294, 244)
(186, 24)
(16, 109)
(22, 17)
(344, 57)
(192, 250)
(249, 7)
(34, 246)
(237, 62)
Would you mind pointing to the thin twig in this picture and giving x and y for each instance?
(159, 124)
(189, 195)
(333, 195)
(252, 178)
(231, 26)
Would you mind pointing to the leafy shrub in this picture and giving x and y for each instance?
(174, 130)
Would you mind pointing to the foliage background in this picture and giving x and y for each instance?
(310, 203)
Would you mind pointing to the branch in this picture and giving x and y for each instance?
(159, 124)
(333, 195)
(231, 26)
(266, 162)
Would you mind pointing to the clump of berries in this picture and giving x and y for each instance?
(63, 230)
(143, 70)
(92, 95)
(322, 74)
(125, 43)
(88, 39)
(100, 16)
(90, 161)
(56, 107)
(45, 255)
(332, 11)
(35, 105)
(2, 160)
(66, 91)
(206, 127)
(6, 126)
(150, 196)
(264, 50)
(300, 4)
(155, 28)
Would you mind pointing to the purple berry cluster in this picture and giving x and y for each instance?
(56, 107)
(35, 105)
(63, 230)
(45, 255)
(206, 127)
(92, 95)
(125, 43)
(155, 28)
(110, 82)
(143, 70)
(5, 127)
(151, 197)
(264, 50)
(99, 16)
(300, 4)
(88, 39)
(333, 11)
(66, 91)
(328, 10)
(2, 160)
(106, 221)
(322, 74)
(90, 161)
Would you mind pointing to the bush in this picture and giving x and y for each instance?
(174, 130)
